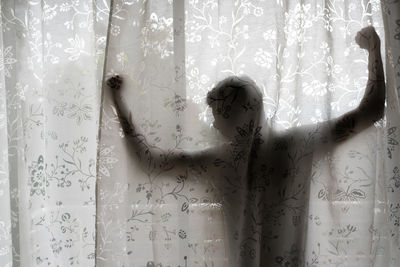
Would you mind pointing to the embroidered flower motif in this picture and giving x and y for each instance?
(107, 159)
(158, 36)
(115, 30)
(76, 49)
(49, 12)
(258, 11)
(6, 60)
(56, 246)
(315, 88)
(376, 5)
(182, 234)
(80, 112)
(297, 21)
(269, 35)
(38, 177)
(263, 58)
(121, 57)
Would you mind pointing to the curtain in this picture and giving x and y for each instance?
(51, 71)
(73, 192)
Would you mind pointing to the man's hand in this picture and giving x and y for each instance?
(368, 39)
(124, 113)
(115, 82)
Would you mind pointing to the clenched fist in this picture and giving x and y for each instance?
(368, 39)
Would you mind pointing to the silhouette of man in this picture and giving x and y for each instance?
(253, 170)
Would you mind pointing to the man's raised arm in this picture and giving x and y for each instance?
(371, 107)
(150, 156)
(370, 110)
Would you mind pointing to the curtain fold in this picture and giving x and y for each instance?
(5, 218)
(391, 16)
(72, 196)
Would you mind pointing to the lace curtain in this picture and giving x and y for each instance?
(73, 193)
(51, 71)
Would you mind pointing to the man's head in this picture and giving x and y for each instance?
(235, 101)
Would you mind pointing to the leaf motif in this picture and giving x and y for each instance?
(69, 162)
(110, 160)
(357, 193)
(391, 130)
(392, 141)
(105, 151)
(104, 171)
(340, 195)
(241, 131)
(184, 207)
(193, 200)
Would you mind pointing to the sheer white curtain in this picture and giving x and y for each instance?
(301, 54)
(51, 64)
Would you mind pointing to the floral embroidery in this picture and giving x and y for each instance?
(38, 180)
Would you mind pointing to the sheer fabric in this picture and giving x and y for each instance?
(343, 202)
(51, 64)
(304, 58)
